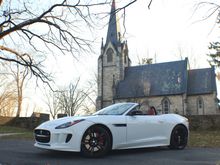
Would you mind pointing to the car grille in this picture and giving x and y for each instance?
(42, 136)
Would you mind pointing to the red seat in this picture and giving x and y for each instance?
(151, 112)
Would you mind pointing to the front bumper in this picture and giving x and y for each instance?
(62, 141)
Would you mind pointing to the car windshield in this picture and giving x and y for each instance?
(115, 109)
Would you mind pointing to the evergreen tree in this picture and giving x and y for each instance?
(215, 54)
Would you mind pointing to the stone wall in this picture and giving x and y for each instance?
(24, 122)
(176, 103)
(108, 82)
(179, 104)
(210, 104)
(204, 122)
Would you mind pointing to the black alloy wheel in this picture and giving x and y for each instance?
(179, 137)
(96, 142)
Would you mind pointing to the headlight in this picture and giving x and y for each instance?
(68, 124)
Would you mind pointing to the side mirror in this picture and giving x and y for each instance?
(136, 112)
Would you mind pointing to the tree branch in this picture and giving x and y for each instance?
(26, 61)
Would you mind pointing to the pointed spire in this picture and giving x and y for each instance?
(113, 34)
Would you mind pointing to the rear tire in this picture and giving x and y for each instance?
(96, 142)
(179, 137)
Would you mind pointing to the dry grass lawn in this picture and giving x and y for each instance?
(204, 138)
(22, 133)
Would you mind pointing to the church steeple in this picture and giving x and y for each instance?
(113, 34)
(112, 62)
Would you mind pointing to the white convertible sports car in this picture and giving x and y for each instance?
(119, 126)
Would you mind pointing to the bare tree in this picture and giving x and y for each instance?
(20, 79)
(59, 30)
(71, 99)
(7, 93)
(89, 104)
(193, 59)
(144, 61)
(74, 98)
(19, 76)
(7, 100)
(53, 103)
(16, 77)
(212, 8)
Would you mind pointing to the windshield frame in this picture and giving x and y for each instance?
(116, 109)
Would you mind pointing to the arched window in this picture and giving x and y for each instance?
(200, 106)
(166, 105)
(109, 55)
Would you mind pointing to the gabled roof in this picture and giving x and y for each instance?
(201, 81)
(154, 80)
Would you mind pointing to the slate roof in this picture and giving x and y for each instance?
(113, 27)
(168, 78)
(161, 79)
(201, 81)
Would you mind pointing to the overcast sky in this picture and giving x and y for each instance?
(169, 31)
(168, 28)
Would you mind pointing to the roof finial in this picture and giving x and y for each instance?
(113, 3)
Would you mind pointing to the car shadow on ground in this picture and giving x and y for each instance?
(69, 155)
(139, 150)
(57, 154)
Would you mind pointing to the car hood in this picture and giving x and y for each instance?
(57, 122)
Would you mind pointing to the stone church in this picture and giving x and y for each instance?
(171, 87)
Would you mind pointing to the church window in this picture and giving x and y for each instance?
(200, 106)
(200, 103)
(166, 105)
(109, 55)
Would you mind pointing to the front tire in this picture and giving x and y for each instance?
(96, 142)
(179, 137)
